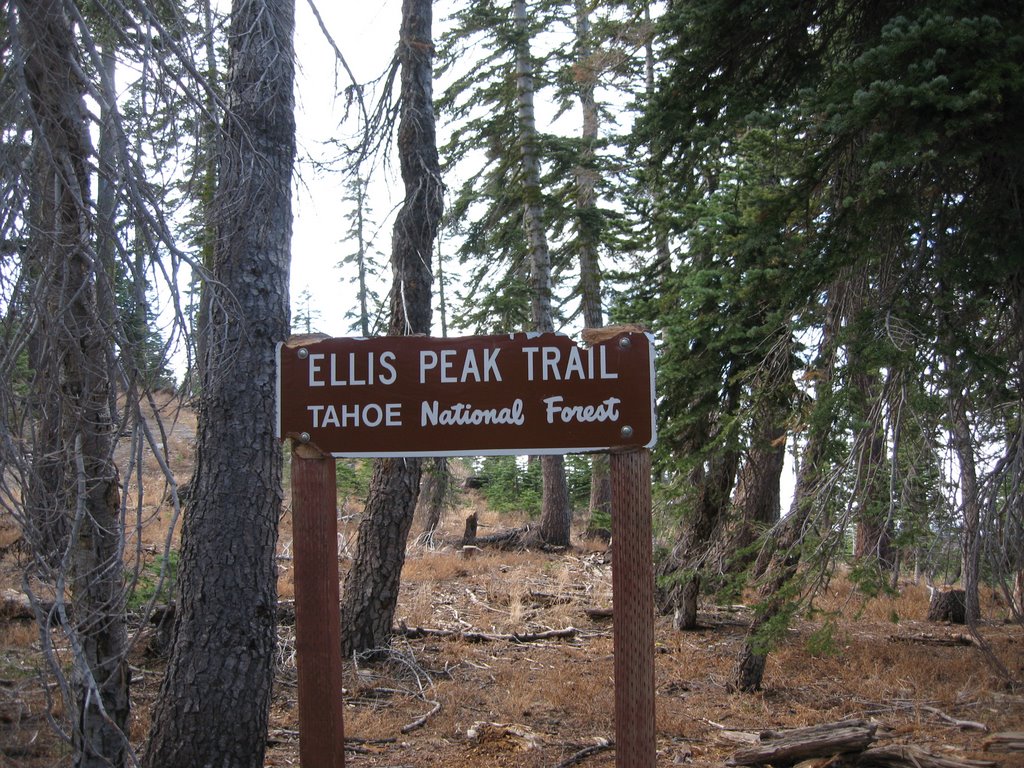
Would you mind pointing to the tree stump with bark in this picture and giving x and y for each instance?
(469, 535)
(685, 615)
(948, 605)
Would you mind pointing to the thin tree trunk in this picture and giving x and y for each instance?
(970, 499)
(780, 557)
(80, 478)
(434, 489)
(361, 257)
(556, 513)
(679, 573)
(371, 587)
(214, 703)
(589, 231)
(875, 528)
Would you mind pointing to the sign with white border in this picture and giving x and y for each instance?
(509, 394)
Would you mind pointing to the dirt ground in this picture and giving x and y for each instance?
(482, 698)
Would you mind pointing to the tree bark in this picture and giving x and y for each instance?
(80, 534)
(434, 489)
(370, 595)
(556, 514)
(214, 703)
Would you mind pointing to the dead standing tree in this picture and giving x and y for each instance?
(370, 593)
(72, 510)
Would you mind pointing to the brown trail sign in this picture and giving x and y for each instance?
(475, 396)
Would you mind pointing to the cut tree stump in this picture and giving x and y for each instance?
(948, 605)
(469, 535)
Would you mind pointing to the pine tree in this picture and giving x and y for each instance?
(370, 594)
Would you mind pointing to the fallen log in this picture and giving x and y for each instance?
(926, 638)
(415, 633)
(15, 604)
(785, 747)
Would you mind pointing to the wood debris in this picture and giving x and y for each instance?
(1006, 741)
(484, 637)
(910, 756)
(790, 747)
(845, 743)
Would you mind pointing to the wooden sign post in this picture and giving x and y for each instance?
(317, 621)
(514, 394)
(633, 609)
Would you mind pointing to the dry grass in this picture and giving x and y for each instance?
(546, 700)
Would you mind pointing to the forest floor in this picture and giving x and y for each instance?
(482, 698)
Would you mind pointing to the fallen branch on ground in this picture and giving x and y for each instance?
(578, 757)
(419, 722)
(846, 743)
(969, 725)
(926, 638)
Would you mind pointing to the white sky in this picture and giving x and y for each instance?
(366, 33)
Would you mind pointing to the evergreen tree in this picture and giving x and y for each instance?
(903, 165)
(366, 315)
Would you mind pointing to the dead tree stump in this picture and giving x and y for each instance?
(948, 605)
(469, 536)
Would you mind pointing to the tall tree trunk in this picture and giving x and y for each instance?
(970, 498)
(214, 703)
(588, 219)
(556, 513)
(371, 587)
(79, 478)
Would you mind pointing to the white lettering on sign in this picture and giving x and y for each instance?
(432, 415)
(368, 415)
(354, 371)
(605, 411)
(550, 364)
(449, 371)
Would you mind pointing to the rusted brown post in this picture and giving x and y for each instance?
(317, 621)
(633, 605)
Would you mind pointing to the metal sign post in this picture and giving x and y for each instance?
(475, 396)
